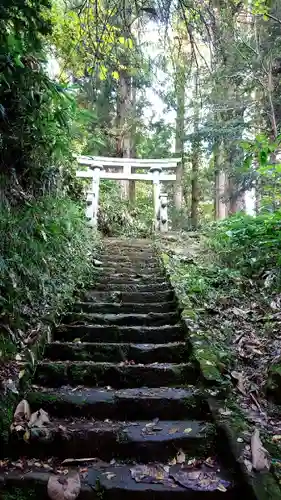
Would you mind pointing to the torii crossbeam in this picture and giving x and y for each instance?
(124, 169)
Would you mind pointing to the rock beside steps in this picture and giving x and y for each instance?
(120, 387)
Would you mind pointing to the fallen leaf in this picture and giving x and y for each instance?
(150, 474)
(173, 430)
(200, 480)
(109, 475)
(210, 461)
(248, 464)
(63, 488)
(225, 413)
(21, 374)
(260, 456)
(21, 416)
(22, 411)
(240, 382)
(276, 438)
(221, 488)
(78, 460)
(180, 457)
(173, 461)
(39, 419)
(26, 436)
(187, 431)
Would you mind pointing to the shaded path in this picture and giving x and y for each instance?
(116, 383)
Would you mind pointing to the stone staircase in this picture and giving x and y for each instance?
(119, 385)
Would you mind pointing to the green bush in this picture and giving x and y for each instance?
(45, 254)
(250, 244)
(119, 217)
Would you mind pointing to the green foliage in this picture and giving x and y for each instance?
(251, 244)
(35, 112)
(19, 494)
(154, 141)
(120, 217)
(45, 255)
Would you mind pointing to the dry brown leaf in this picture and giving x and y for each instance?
(64, 488)
(173, 461)
(22, 412)
(173, 430)
(240, 382)
(260, 456)
(109, 475)
(26, 436)
(39, 418)
(180, 457)
(78, 460)
(276, 438)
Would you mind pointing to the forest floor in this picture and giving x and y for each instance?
(237, 321)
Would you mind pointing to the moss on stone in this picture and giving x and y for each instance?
(7, 405)
(273, 384)
(14, 493)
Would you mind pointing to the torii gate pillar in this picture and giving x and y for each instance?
(93, 197)
(156, 194)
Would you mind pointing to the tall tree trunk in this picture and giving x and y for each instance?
(179, 139)
(133, 128)
(124, 105)
(220, 208)
(195, 158)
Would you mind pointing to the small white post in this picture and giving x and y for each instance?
(163, 213)
(93, 196)
(156, 193)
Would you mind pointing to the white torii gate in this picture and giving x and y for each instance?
(99, 167)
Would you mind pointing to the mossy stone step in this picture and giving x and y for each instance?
(173, 352)
(115, 482)
(111, 308)
(128, 297)
(131, 275)
(142, 440)
(122, 319)
(124, 404)
(115, 333)
(135, 287)
(56, 374)
(129, 270)
(129, 266)
(129, 279)
(131, 258)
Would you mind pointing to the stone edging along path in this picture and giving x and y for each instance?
(129, 403)
(261, 485)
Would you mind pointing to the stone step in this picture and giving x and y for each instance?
(135, 287)
(130, 256)
(131, 275)
(121, 319)
(115, 482)
(144, 440)
(174, 352)
(115, 333)
(126, 404)
(129, 279)
(58, 373)
(129, 266)
(129, 296)
(116, 308)
(129, 269)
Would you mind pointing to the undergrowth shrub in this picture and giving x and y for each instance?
(119, 217)
(250, 244)
(45, 255)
